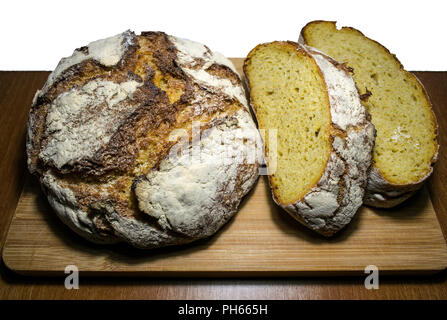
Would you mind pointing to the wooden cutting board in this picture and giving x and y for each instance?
(262, 240)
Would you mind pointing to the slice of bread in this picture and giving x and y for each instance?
(406, 145)
(318, 165)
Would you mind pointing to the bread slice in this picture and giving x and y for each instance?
(406, 145)
(310, 106)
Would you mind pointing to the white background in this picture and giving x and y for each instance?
(36, 34)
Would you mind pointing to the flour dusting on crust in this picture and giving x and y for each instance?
(107, 52)
(74, 133)
(381, 194)
(64, 202)
(190, 55)
(197, 192)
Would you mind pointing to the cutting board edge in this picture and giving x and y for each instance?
(230, 274)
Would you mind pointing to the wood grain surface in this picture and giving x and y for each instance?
(262, 240)
(16, 92)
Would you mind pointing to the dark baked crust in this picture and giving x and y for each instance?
(152, 55)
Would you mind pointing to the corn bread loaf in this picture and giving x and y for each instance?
(406, 145)
(324, 137)
(145, 139)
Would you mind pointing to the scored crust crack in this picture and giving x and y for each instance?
(102, 131)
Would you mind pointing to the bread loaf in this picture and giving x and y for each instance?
(324, 137)
(406, 146)
(145, 139)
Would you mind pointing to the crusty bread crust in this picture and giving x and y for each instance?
(380, 192)
(102, 130)
(331, 203)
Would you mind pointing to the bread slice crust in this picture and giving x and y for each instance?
(329, 203)
(385, 189)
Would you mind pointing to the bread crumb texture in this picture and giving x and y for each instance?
(288, 94)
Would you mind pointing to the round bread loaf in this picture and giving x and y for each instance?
(324, 134)
(145, 139)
